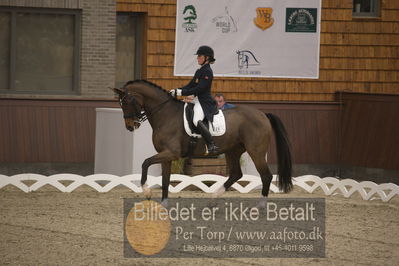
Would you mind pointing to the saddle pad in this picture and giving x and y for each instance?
(218, 128)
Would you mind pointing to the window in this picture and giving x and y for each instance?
(5, 19)
(128, 47)
(365, 8)
(39, 51)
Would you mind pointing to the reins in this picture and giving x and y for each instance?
(157, 108)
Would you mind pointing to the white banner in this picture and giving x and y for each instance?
(251, 38)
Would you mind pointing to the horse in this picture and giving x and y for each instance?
(247, 129)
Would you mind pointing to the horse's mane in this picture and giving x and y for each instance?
(130, 82)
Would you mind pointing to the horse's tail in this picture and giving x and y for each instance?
(283, 154)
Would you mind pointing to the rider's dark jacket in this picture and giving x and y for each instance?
(200, 86)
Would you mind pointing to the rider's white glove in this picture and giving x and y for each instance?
(175, 92)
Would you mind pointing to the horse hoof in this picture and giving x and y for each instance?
(262, 203)
(212, 203)
(164, 203)
(147, 191)
(219, 192)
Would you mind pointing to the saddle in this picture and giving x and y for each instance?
(217, 128)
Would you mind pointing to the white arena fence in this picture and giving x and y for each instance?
(105, 182)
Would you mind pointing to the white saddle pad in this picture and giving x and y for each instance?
(218, 128)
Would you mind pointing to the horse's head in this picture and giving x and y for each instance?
(132, 108)
(139, 99)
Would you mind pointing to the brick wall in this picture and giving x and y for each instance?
(97, 51)
(98, 47)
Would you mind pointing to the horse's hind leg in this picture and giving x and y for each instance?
(235, 173)
(265, 175)
(259, 159)
(166, 169)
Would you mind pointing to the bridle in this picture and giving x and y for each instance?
(139, 113)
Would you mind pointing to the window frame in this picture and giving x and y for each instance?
(375, 14)
(76, 13)
(139, 42)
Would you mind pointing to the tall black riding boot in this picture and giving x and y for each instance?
(212, 149)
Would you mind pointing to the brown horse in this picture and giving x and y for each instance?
(248, 130)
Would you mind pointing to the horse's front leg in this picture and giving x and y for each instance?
(163, 156)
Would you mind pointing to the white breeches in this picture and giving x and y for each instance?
(198, 112)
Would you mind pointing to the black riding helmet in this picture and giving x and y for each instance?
(207, 51)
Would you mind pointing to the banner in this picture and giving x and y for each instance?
(256, 38)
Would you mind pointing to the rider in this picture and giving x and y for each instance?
(200, 87)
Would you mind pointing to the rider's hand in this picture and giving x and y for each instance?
(175, 92)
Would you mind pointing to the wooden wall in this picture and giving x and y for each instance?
(64, 130)
(359, 55)
(312, 130)
(360, 130)
(48, 130)
(370, 130)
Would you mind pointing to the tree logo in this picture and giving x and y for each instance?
(190, 15)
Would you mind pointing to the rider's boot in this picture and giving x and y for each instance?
(211, 147)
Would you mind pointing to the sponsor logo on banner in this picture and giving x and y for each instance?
(264, 19)
(301, 20)
(225, 22)
(247, 59)
(190, 15)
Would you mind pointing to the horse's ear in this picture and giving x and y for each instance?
(117, 91)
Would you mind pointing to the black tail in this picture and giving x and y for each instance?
(283, 154)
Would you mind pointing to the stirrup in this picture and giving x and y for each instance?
(211, 149)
